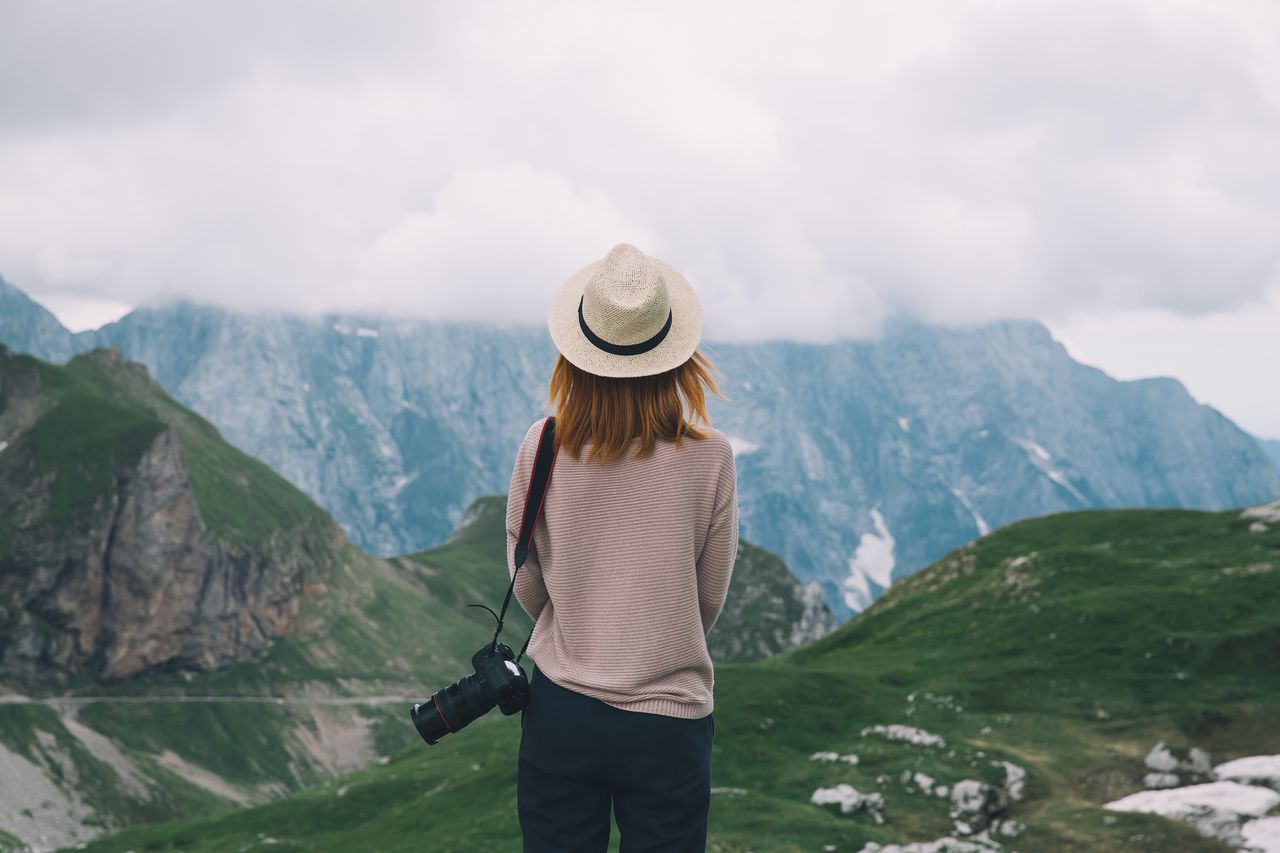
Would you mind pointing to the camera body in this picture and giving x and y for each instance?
(498, 680)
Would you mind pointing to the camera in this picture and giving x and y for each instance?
(498, 680)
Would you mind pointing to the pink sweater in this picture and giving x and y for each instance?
(628, 571)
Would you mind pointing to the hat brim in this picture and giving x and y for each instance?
(675, 349)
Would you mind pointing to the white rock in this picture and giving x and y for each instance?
(906, 734)
(850, 800)
(1156, 781)
(1161, 759)
(1015, 779)
(1254, 770)
(1269, 512)
(941, 845)
(974, 805)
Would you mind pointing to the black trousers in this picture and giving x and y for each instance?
(579, 756)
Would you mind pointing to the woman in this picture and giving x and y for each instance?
(629, 568)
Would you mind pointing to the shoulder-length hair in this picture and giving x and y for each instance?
(612, 412)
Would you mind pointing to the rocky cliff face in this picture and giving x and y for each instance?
(1272, 447)
(859, 461)
(767, 610)
(115, 575)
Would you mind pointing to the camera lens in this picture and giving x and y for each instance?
(451, 709)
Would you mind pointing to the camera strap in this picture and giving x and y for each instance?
(543, 462)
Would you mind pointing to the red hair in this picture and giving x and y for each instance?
(611, 412)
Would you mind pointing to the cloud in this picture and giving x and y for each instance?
(812, 168)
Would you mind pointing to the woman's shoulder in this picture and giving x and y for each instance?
(714, 444)
(535, 429)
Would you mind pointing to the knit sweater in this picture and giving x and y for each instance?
(628, 570)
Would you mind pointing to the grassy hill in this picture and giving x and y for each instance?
(1065, 646)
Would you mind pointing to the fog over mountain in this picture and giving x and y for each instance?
(859, 462)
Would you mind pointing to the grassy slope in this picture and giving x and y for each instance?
(372, 627)
(1122, 627)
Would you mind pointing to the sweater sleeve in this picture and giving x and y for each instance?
(720, 549)
(530, 590)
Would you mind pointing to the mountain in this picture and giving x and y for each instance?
(182, 631)
(859, 461)
(1272, 447)
(27, 326)
(115, 502)
(999, 699)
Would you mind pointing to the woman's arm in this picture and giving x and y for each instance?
(720, 549)
(530, 590)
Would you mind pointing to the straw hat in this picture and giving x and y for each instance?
(627, 314)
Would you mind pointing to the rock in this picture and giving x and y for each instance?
(767, 611)
(906, 734)
(1186, 767)
(1160, 780)
(382, 431)
(110, 569)
(975, 805)
(850, 800)
(1015, 779)
(941, 845)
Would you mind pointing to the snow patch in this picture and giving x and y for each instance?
(1262, 835)
(1036, 449)
(401, 482)
(3, 445)
(1254, 770)
(1041, 459)
(983, 527)
(742, 446)
(367, 333)
(1215, 809)
(872, 563)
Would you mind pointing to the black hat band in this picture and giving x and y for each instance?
(621, 349)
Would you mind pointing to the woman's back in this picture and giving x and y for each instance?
(629, 569)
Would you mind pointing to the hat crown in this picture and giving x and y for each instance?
(626, 300)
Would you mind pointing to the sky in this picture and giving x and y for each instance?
(1107, 167)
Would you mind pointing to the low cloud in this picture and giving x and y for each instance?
(811, 168)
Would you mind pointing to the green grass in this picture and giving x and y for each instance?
(37, 733)
(1042, 662)
(98, 417)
